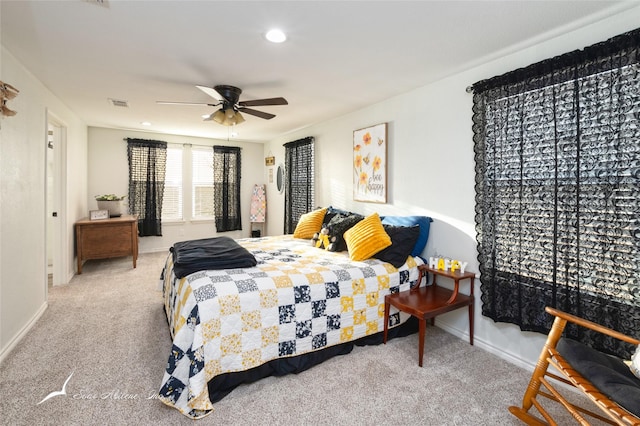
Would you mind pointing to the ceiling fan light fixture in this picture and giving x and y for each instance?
(227, 117)
(219, 116)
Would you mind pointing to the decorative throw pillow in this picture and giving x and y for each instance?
(309, 224)
(403, 238)
(337, 227)
(366, 238)
(635, 363)
(423, 221)
(330, 214)
(334, 212)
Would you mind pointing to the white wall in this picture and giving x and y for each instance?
(109, 174)
(431, 169)
(431, 172)
(23, 274)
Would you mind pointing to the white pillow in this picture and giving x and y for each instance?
(635, 362)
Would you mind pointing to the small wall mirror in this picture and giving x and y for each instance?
(280, 177)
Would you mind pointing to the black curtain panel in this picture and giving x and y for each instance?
(226, 188)
(147, 167)
(557, 150)
(299, 186)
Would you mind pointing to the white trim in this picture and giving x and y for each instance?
(59, 244)
(486, 345)
(501, 353)
(23, 332)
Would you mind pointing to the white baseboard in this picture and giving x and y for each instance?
(155, 250)
(487, 346)
(23, 332)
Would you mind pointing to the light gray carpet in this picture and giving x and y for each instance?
(107, 327)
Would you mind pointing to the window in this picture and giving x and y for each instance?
(558, 190)
(172, 202)
(299, 196)
(202, 183)
(188, 193)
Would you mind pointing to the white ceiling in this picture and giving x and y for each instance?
(340, 56)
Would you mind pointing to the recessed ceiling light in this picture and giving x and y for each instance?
(145, 123)
(276, 36)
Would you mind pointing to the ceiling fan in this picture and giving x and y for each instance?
(231, 106)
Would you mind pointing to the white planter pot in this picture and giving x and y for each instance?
(114, 207)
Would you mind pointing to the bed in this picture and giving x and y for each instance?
(298, 306)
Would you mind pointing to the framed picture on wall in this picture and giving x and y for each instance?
(370, 164)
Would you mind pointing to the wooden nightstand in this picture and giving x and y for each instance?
(430, 301)
(105, 238)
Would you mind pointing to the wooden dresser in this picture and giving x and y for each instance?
(105, 238)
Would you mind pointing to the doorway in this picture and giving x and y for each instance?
(56, 255)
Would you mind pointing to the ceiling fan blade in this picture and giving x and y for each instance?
(257, 113)
(184, 103)
(211, 92)
(264, 102)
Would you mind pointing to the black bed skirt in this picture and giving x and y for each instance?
(220, 386)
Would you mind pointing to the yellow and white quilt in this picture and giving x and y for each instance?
(296, 300)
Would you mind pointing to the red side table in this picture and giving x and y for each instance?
(430, 301)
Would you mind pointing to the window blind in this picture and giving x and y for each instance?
(202, 183)
(172, 204)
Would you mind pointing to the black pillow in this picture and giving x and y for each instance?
(403, 238)
(333, 212)
(338, 225)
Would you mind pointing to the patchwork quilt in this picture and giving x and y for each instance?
(296, 300)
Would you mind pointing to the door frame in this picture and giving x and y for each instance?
(59, 243)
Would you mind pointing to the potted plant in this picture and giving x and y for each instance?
(110, 202)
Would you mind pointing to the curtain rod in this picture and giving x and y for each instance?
(183, 144)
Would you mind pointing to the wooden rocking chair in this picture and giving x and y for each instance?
(563, 354)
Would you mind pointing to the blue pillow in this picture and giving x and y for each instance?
(423, 221)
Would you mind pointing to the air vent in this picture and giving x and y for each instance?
(119, 103)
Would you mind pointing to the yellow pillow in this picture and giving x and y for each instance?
(309, 224)
(366, 238)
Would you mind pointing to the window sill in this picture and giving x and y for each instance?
(173, 222)
(203, 220)
(176, 222)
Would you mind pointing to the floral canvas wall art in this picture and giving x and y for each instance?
(370, 164)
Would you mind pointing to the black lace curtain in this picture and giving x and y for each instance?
(147, 168)
(226, 188)
(299, 181)
(557, 149)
